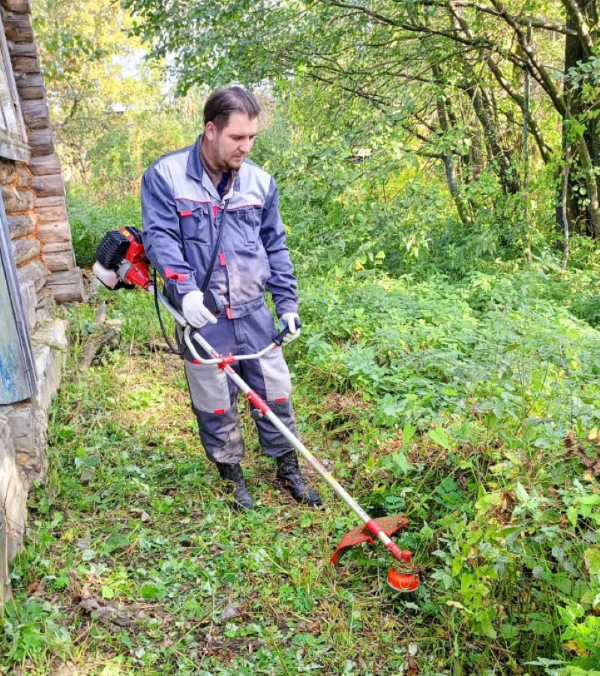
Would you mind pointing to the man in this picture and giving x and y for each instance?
(187, 197)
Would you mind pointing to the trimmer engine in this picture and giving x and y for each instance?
(121, 260)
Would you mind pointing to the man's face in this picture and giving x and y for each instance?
(229, 147)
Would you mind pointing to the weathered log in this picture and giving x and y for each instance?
(34, 271)
(17, 27)
(26, 249)
(59, 231)
(32, 93)
(17, 6)
(45, 186)
(45, 165)
(51, 214)
(59, 256)
(17, 200)
(35, 114)
(55, 247)
(22, 49)
(54, 201)
(20, 225)
(23, 178)
(29, 80)
(25, 64)
(7, 171)
(66, 287)
(41, 142)
(107, 335)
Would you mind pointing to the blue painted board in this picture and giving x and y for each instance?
(14, 381)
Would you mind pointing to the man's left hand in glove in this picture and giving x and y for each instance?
(292, 322)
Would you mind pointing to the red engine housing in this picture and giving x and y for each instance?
(137, 272)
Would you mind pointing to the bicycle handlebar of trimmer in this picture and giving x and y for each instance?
(190, 332)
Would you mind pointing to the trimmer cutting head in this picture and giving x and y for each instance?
(383, 527)
(388, 524)
(403, 582)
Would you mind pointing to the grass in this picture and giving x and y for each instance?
(136, 564)
(144, 566)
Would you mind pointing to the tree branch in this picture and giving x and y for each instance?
(536, 21)
(582, 28)
(544, 77)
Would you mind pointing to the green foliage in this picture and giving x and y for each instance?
(136, 138)
(431, 349)
(432, 397)
(90, 220)
(448, 369)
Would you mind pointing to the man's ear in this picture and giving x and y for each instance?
(210, 131)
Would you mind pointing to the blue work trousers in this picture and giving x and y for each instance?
(214, 395)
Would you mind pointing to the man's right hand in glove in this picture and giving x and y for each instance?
(194, 310)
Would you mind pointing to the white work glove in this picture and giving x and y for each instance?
(291, 320)
(194, 310)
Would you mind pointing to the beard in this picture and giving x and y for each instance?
(234, 163)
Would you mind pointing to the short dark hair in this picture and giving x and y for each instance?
(226, 100)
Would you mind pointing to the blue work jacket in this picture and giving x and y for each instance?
(181, 213)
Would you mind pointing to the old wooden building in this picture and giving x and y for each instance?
(37, 271)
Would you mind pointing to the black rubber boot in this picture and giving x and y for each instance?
(290, 475)
(234, 474)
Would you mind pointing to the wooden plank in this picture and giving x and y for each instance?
(45, 186)
(29, 80)
(22, 49)
(32, 93)
(25, 64)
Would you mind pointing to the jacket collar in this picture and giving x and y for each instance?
(194, 165)
(196, 170)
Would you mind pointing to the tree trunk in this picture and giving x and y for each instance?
(583, 218)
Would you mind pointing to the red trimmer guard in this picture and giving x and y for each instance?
(388, 524)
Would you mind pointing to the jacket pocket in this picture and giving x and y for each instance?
(194, 222)
(250, 220)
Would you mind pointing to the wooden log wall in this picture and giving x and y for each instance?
(34, 197)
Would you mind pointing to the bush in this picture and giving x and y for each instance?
(91, 220)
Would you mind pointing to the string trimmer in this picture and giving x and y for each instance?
(121, 261)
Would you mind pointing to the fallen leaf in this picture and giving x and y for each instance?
(572, 647)
(413, 667)
(123, 616)
(229, 613)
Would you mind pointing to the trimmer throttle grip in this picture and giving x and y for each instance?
(278, 340)
(213, 302)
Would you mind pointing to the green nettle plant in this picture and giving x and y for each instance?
(447, 369)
